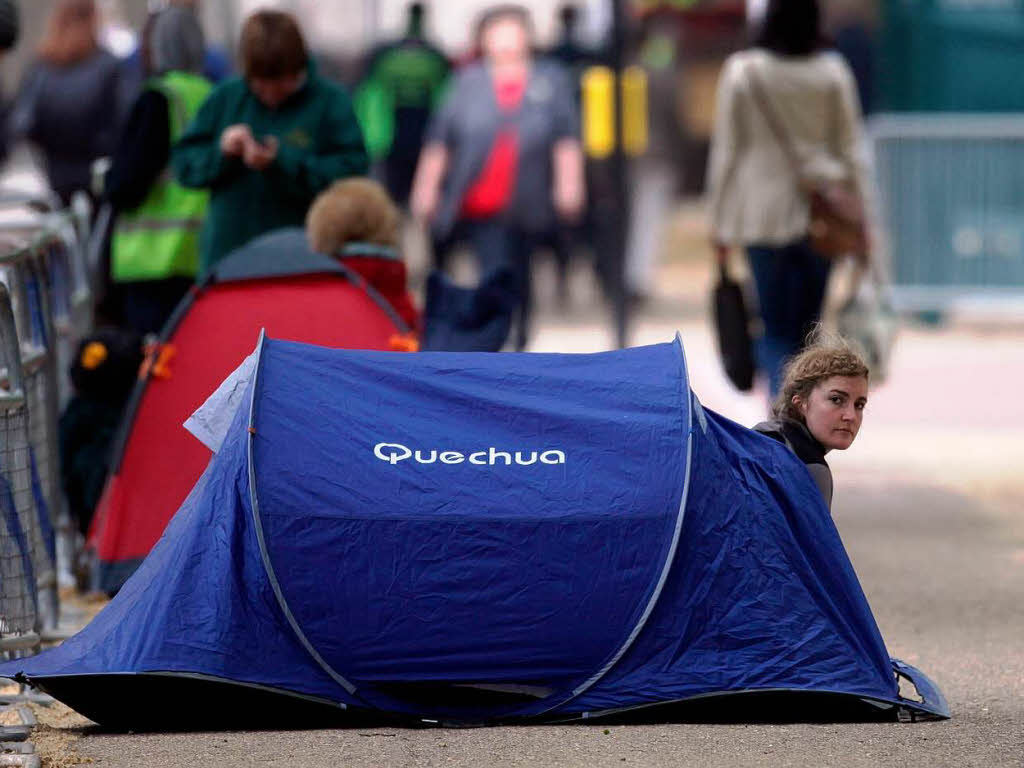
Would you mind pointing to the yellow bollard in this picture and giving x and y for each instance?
(598, 95)
(634, 111)
(599, 131)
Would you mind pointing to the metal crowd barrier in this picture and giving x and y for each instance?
(950, 199)
(19, 615)
(70, 287)
(44, 306)
(64, 236)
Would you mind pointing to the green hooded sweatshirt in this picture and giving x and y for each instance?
(319, 141)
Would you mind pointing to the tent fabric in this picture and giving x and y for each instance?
(211, 422)
(212, 331)
(377, 269)
(280, 253)
(574, 534)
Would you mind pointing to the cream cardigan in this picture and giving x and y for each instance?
(753, 195)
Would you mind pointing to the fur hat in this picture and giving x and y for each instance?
(356, 210)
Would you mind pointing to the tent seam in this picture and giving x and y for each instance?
(375, 296)
(670, 557)
(261, 541)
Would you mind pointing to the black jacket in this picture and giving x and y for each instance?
(795, 436)
(142, 153)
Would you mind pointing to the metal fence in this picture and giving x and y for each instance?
(18, 594)
(44, 306)
(951, 201)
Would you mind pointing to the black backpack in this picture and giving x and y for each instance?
(107, 365)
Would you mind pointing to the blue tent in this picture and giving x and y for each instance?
(481, 538)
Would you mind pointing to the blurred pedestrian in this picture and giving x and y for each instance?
(67, 104)
(10, 27)
(503, 158)
(216, 61)
(575, 57)
(155, 247)
(568, 50)
(267, 143)
(402, 84)
(654, 174)
(783, 97)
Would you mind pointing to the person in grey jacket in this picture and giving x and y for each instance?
(68, 101)
(820, 405)
(502, 158)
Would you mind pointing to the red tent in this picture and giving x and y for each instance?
(293, 294)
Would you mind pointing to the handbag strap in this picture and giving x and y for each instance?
(774, 124)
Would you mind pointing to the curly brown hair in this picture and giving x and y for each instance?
(349, 211)
(826, 354)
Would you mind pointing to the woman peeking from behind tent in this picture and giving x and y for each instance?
(820, 405)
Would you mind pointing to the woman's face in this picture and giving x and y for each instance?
(834, 410)
(505, 38)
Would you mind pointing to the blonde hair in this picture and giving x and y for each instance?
(826, 354)
(349, 211)
(72, 33)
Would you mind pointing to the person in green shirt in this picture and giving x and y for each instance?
(267, 143)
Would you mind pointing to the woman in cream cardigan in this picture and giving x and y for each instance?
(756, 196)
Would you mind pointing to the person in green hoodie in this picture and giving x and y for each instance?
(267, 143)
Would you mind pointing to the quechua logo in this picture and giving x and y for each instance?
(393, 453)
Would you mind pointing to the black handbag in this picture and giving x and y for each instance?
(732, 326)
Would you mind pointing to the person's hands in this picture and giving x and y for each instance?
(235, 139)
(424, 200)
(865, 259)
(259, 155)
(568, 192)
(568, 198)
(425, 197)
(721, 251)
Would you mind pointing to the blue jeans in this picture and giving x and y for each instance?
(790, 281)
